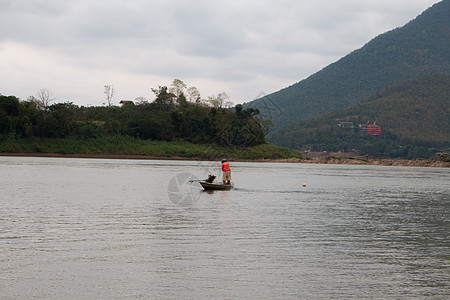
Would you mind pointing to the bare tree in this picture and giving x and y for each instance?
(109, 93)
(221, 100)
(141, 100)
(43, 98)
(224, 100)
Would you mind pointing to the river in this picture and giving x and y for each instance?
(112, 229)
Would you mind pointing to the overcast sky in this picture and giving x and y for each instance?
(245, 48)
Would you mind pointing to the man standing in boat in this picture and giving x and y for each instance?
(226, 170)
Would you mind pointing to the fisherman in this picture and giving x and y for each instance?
(226, 177)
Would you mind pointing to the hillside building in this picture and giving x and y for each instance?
(370, 129)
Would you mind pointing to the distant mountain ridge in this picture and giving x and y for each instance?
(420, 48)
(413, 116)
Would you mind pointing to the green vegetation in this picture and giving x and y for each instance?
(126, 145)
(413, 116)
(420, 48)
(168, 126)
(162, 120)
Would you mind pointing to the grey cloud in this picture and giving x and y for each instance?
(233, 43)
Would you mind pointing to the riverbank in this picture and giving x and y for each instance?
(434, 163)
(372, 161)
(438, 161)
(123, 147)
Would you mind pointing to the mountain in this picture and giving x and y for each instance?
(420, 48)
(410, 119)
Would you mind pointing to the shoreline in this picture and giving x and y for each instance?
(310, 160)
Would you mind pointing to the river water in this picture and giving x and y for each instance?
(113, 229)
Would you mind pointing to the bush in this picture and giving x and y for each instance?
(88, 131)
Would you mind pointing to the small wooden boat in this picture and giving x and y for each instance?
(215, 186)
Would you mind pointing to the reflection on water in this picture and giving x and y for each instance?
(85, 228)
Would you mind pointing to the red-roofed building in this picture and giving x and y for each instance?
(371, 129)
(126, 101)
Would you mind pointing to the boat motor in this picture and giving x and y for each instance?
(210, 178)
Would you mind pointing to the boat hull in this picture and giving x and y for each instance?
(215, 186)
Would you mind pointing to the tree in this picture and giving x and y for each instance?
(213, 101)
(220, 101)
(177, 87)
(43, 98)
(193, 95)
(66, 114)
(161, 90)
(109, 93)
(224, 99)
(9, 113)
(141, 100)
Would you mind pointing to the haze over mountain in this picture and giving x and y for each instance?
(420, 48)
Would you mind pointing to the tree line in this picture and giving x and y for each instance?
(169, 117)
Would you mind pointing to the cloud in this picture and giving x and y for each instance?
(75, 47)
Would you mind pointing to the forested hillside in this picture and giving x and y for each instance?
(420, 48)
(413, 117)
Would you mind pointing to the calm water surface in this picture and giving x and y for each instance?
(110, 229)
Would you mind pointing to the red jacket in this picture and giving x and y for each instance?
(226, 167)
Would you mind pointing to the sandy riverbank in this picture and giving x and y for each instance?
(372, 161)
(311, 160)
